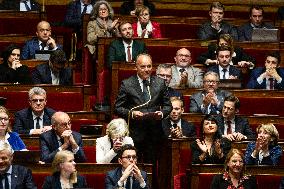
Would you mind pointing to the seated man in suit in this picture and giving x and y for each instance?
(268, 77)
(128, 175)
(61, 137)
(211, 30)
(223, 67)
(126, 48)
(20, 5)
(42, 42)
(164, 71)
(54, 71)
(37, 118)
(211, 99)
(75, 10)
(256, 13)
(183, 74)
(14, 176)
(232, 126)
(176, 127)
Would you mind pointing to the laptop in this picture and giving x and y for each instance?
(265, 35)
(42, 55)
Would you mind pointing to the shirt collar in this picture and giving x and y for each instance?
(178, 123)
(34, 116)
(126, 44)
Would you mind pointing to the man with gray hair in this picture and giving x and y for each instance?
(211, 99)
(13, 176)
(37, 118)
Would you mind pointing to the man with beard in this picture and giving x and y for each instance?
(174, 126)
(223, 67)
(126, 48)
(183, 74)
(211, 99)
(256, 21)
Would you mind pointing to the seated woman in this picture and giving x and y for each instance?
(265, 150)
(108, 146)
(65, 175)
(234, 175)
(11, 70)
(129, 7)
(6, 134)
(239, 57)
(101, 24)
(211, 148)
(145, 28)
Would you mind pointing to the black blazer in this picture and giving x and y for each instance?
(241, 126)
(113, 177)
(9, 75)
(42, 75)
(219, 182)
(15, 5)
(49, 146)
(24, 120)
(21, 178)
(53, 182)
(232, 71)
(188, 129)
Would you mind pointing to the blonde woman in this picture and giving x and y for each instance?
(108, 146)
(6, 134)
(65, 174)
(265, 151)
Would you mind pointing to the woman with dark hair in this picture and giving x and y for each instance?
(265, 151)
(144, 27)
(11, 70)
(129, 7)
(239, 57)
(210, 148)
(234, 176)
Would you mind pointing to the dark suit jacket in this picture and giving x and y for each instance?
(116, 51)
(21, 178)
(234, 71)
(49, 146)
(53, 182)
(207, 32)
(24, 120)
(113, 177)
(42, 75)
(241, 126)
(196, 101)
(245, 31)
(211, 54)
(219, 182)
(30, 47)
(130, 95)
(174, 93)
(15, 5)
(253, 84)
(9, 75)
(188, 129)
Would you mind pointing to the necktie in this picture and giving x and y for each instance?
(85, 9)
(271, 83)
(42, 45)
(4, 176)
(27, 6)
(224, 73)
(229, 129)
(145, 90)
(181, 70)
(174, 125)
(129, 59)
(129, 183)
(37, 123)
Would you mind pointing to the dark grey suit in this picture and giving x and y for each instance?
(145, 133)
(24, 120)
(241, 126)
(113, 177)
(42, 75)
(196, 101)
(188, 129)
(21, 178)
(49, 146)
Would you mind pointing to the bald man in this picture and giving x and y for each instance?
(43, 41)
(61, 137)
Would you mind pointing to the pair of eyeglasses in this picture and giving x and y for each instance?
(37, 100)
(134, 157)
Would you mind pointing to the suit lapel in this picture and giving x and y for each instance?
(29, 119)
(121, 49)
(54, 140)
(78, 7)
(14, 177)
(47, 73)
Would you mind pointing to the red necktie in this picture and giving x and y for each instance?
(129, 59)
(229, 129)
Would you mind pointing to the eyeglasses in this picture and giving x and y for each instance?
(211, 81)
(103, 9)
(134, 157)
(184, 55)
(4, 119)
(37, 100)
